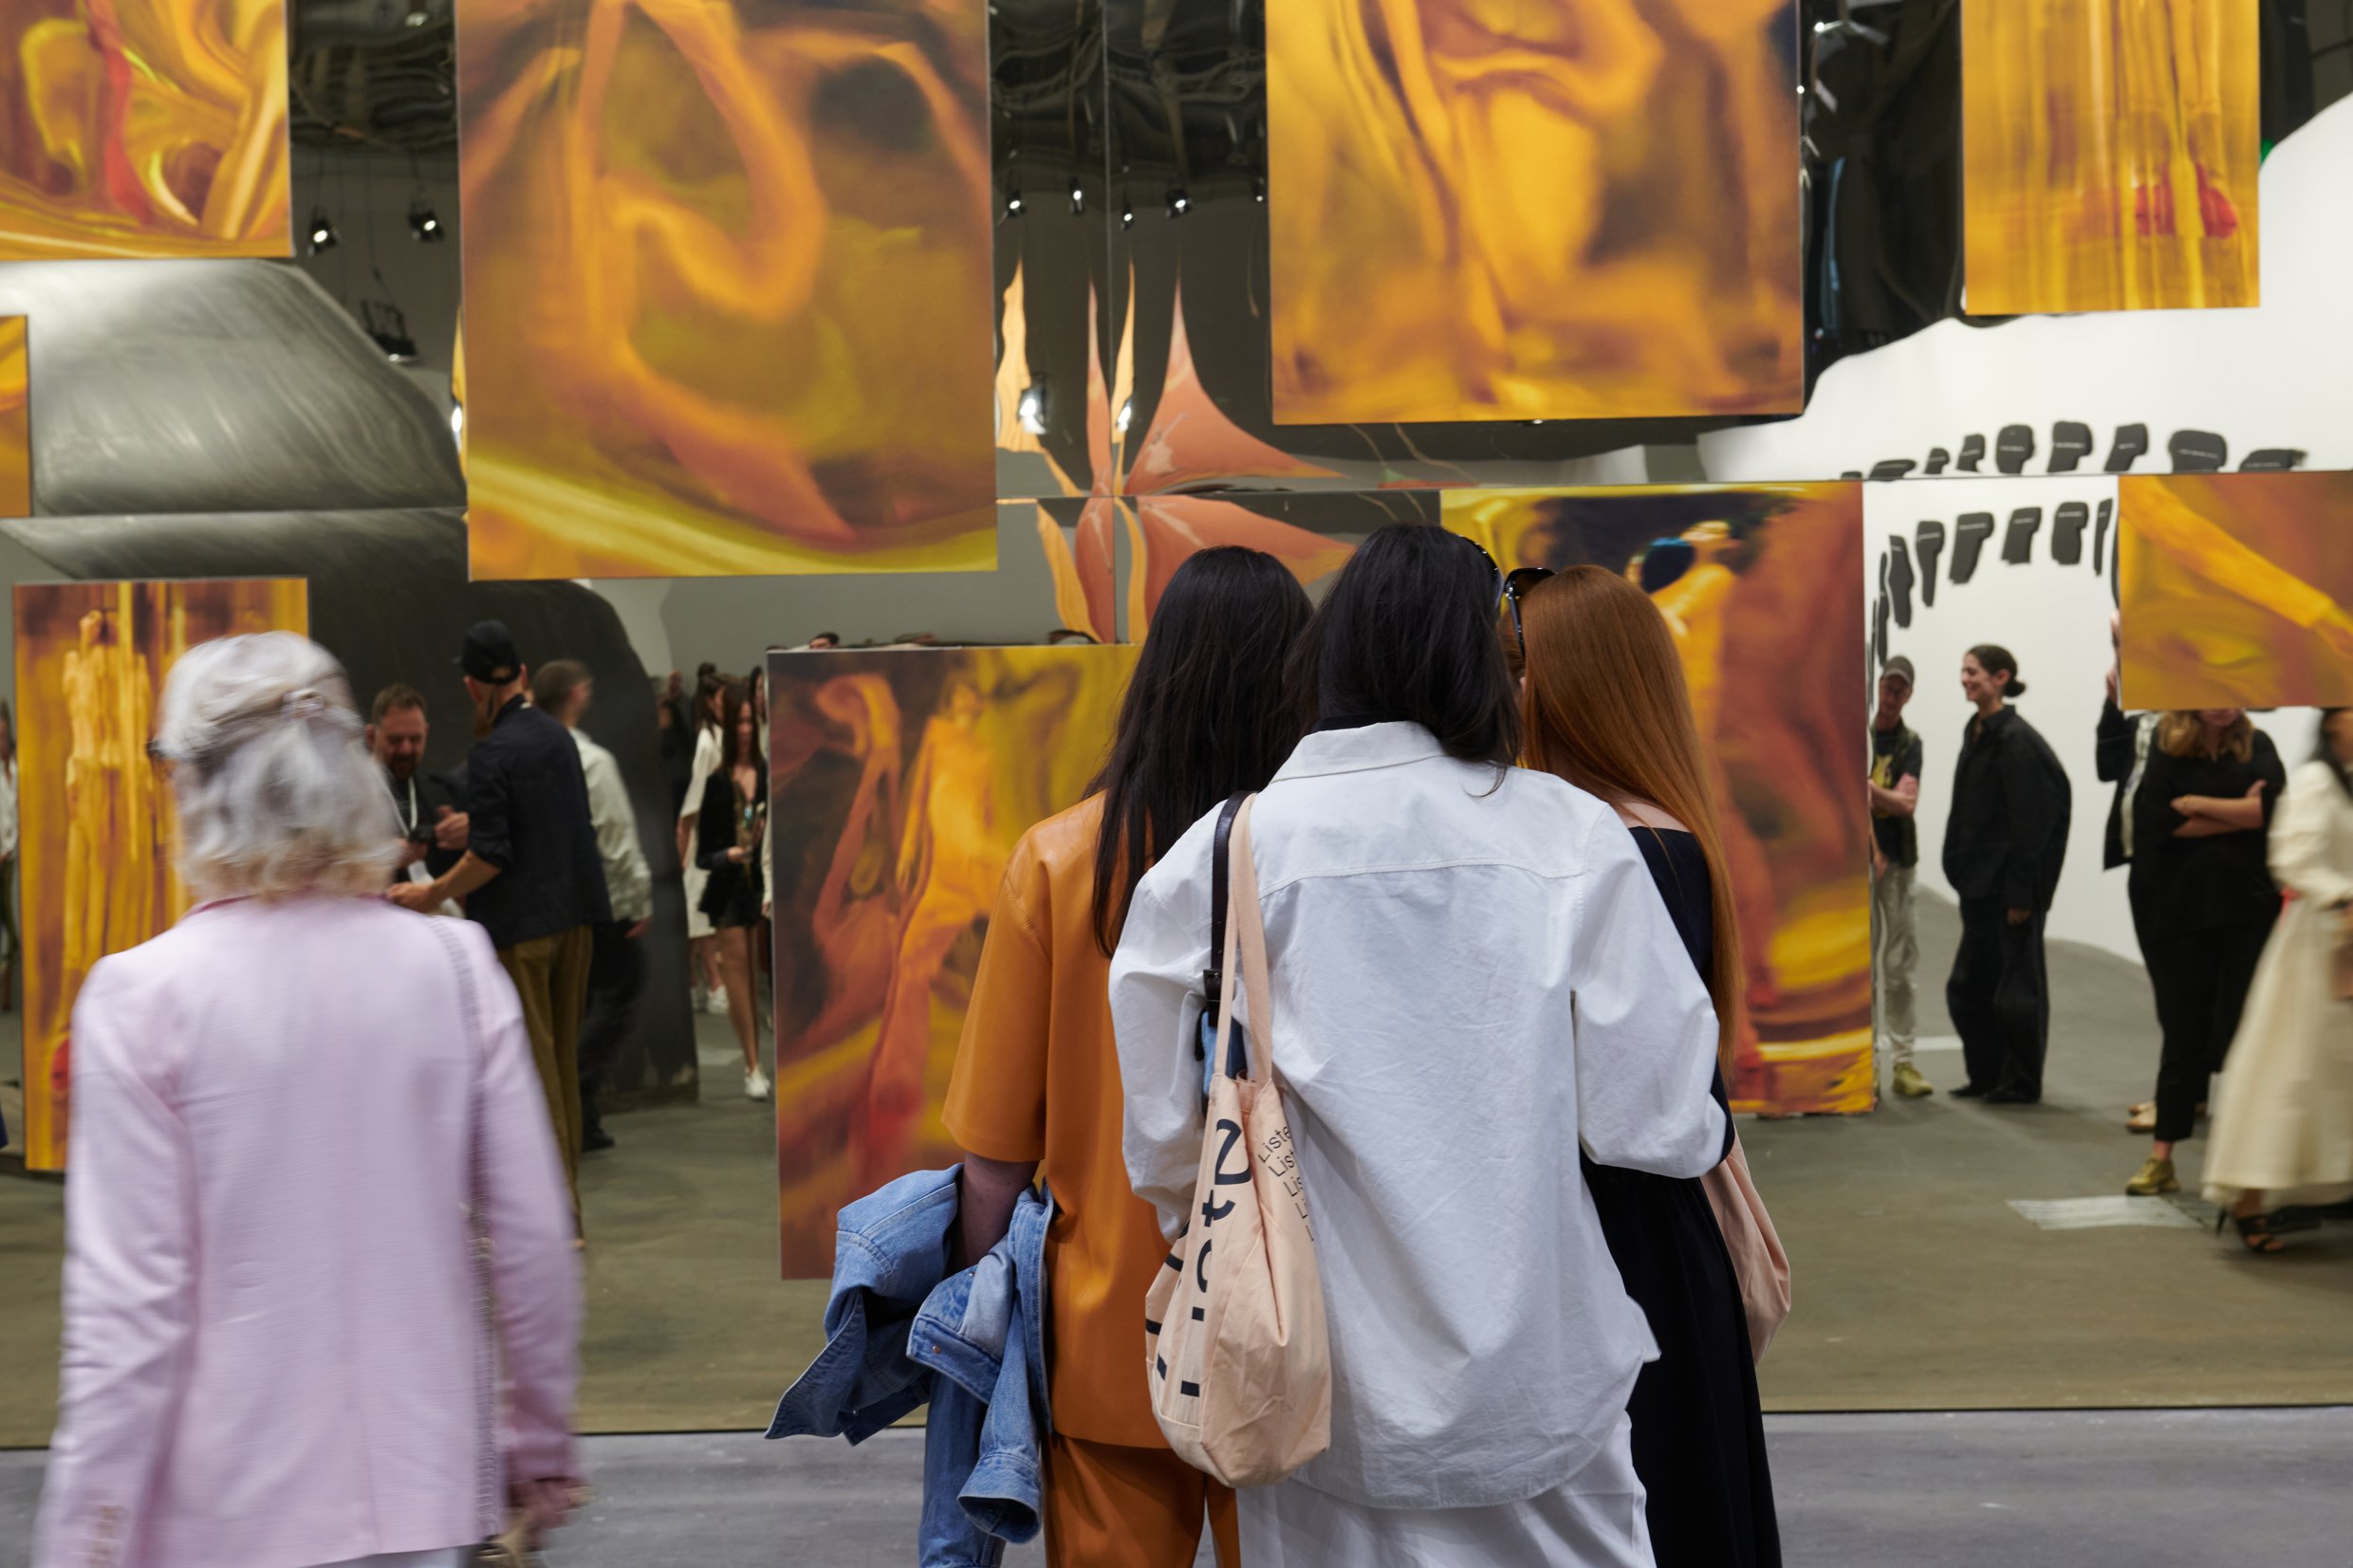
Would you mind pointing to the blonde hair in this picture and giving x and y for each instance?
(277, 794)
(2182, 734)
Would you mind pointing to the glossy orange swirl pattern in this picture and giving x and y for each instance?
(901, 780)
(91, 658)
(142, 128)
(728, 287)
(2236, 590)
(2111, 152)
(15, 420)
(1779, 704)
(1532, 209)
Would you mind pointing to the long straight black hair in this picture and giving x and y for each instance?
(1409, 633)
(1207, 714)
(2324, 752)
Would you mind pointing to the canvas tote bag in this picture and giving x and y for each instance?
(1758, 1262)
(1239, 1366)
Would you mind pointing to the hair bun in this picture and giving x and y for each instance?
(2015, 689)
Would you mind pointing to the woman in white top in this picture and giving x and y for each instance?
(1473, 975)
(703, 953)
(2283, 1126)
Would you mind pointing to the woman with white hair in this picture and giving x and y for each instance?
(309, 1141)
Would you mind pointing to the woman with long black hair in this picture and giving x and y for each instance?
(731, 841)
(2003, 843)
(1036, 1090)
(1472, 976)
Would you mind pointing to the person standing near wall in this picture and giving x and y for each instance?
(2203, 902)
(730, 846)
(2003, 843)
(532, 875)
(1895, 792)
(2283, 1129)
(616, 965)
(1037, 1078)
(2121, 756)
(703, 953)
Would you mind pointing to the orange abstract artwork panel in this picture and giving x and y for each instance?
(143, 128)
(2111, 151)
(15, 419)
(1749, 578)
(1484, 211)
(2236, 590)
(95, 820)
(728, 287)
(901, 779)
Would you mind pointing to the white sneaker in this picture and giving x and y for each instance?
(715, 1001)
(756, 1086)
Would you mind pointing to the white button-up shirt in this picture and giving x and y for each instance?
(1469, 975)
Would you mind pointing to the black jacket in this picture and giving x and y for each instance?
(715, 834)
(2113, 751)
(2005, 837)
(526, 802)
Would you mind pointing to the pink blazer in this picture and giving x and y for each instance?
(275, 1354)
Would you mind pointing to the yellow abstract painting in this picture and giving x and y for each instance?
(2236, 590)
(2111, 151)
(901, 779)
(143, 128)
(1491, 209)
(15, 419)
(95, 820)
(1759, 573)
(729, 286)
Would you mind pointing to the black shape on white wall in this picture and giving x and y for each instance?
(2132, 444)
(1969, 536)
(1894, 468)
(2272, 460)
(2066, 532)
(2197, 451)
(1972, 454)
(2018, 544)
(1900, 580)
(1938, 460)
(2071, 443)
(2013, 448)
(1932, 546)
(2100, 535)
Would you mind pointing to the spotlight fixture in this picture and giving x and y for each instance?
(1014, 208)
(424, 223)
(1078, 197)
(1178, 203)
(1258, 187)
(1127, 216)
(390, 329)
(321, 236)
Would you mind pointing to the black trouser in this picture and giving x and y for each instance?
(1999, 999)
(2200, 978)
(616, 970)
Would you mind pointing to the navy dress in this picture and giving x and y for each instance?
(1698, 1431)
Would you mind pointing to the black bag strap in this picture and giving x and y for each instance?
(1221, 857)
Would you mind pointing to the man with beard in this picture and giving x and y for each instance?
(432, 813)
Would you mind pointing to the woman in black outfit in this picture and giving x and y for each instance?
(730, 832)
(2204, 901)
(2003, 843)
(1606, 709)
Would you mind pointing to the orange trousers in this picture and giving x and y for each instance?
(1108, 1505)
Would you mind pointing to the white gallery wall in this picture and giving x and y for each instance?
(2054, 619)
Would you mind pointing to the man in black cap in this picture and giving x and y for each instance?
(532, 875)
(1894, 857)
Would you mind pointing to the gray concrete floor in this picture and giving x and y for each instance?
(2071, 1490)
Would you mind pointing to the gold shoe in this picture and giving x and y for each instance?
(2157, 1178)
(1910, 1084)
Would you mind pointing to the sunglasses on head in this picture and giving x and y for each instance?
(1517, 584)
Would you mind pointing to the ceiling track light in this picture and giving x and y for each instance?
(424, 223)
(1013, 205)
(321, 236)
